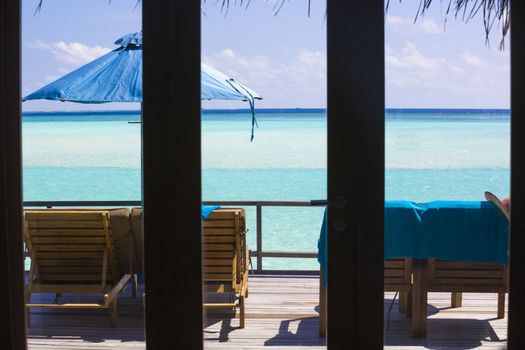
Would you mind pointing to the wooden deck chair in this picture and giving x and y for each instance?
(457, 296)
(492, 198)
(456, 277)
(72, 252)
(460, 277)
(397, 278)
(226, 258)
(128, 249)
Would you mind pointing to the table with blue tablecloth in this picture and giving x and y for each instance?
(456, 231)
(469, 231)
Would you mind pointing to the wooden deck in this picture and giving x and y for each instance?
(280, 312)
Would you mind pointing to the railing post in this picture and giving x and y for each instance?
(259, 236)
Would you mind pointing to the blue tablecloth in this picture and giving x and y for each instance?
(449, 230)
(206, 210)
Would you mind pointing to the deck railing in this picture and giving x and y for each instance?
(258, 253)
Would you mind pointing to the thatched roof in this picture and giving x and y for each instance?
(494, 12)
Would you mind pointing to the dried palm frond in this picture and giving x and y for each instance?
(493, 11)
(41, 2)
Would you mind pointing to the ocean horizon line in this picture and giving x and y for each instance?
(277, 110)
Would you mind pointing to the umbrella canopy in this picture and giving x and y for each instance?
(117, 77)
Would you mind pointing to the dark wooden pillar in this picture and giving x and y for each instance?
(12, 331)
(516, 335)
(172, 174)
(355, 173)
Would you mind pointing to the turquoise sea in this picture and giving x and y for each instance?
(430, 155)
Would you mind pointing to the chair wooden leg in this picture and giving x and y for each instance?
(322, 307)
(456, 299)
(409, 304)
(419, 301)
(134, 285)
(113, 313)
(403, 302)
(27, 317)
(26, 311)
(241, 307)
(501, 305)
(57, 298)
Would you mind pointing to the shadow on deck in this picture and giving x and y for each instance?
(281, 312)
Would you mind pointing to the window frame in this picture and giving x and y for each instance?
(356, 89)
(167, 19)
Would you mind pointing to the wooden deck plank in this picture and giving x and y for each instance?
(280, 311)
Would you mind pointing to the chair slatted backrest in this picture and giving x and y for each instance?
(70, 247)
(466, 276)
(224, 246)
(502, 207)
(446, 275)
(398, 274)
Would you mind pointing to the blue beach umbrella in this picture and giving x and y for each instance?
(117, 77)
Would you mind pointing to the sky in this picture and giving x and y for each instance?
(428, 64)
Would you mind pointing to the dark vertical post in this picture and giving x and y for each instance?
(355, 173)
(172, 174)
(259, 237)
(419, 299)
(12, 331)
(516, 336)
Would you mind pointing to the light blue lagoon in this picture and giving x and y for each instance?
(430, 155)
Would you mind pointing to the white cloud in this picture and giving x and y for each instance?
(472, 59)
(397, 21)
(309, 64)
(458, 70)
(411, 58)
(415, 79)
(402, 23)
(72, 54)
(228, 53)
(312, 58)
(392, 60)
(64, 70)
(50, 78)
(300, 77)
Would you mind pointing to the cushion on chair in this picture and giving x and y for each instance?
(123, 240)
(136, 229)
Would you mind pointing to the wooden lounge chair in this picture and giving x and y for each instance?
(72, 252)
(397, 278)
(492, 198)
(457, 296)
(225, 259)
(456, 277)
(459, 277)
